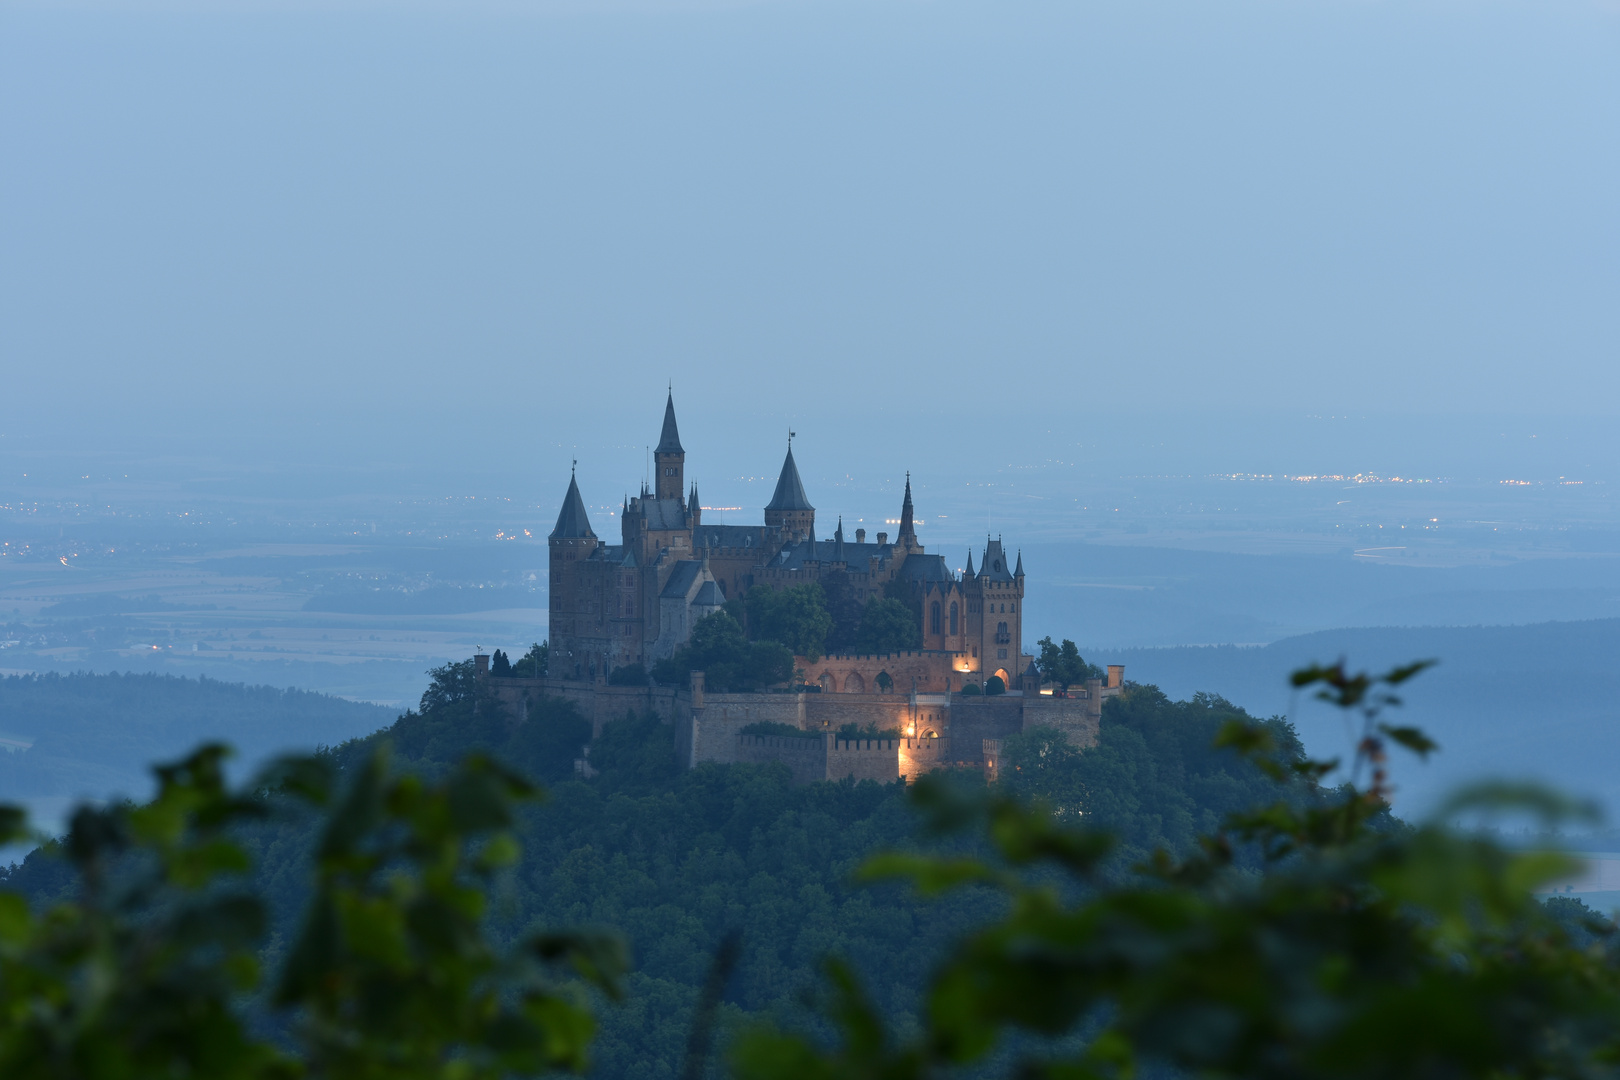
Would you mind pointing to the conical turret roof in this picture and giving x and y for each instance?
(572, 522)
(669, 440)
(789, 488)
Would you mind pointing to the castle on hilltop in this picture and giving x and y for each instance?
(636, 601)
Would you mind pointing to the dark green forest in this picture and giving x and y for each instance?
(676, 860)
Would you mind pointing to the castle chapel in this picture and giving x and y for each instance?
(637, 600)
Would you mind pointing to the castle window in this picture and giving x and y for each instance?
(1015, 609)
(953, 616)
(933, 617)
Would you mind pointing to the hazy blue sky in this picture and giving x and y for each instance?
(323, 224)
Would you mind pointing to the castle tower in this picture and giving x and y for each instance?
(577, 628)
(669, 457)
(789, 508)
(908, 529)
(996, 608)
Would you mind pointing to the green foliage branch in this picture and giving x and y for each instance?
(145, 969)
(1063, 665)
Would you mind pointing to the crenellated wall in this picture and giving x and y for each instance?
(918, 756)
(806, 757)
(708, 726)
(863, 759)
(597, 702)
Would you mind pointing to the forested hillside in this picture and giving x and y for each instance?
(677, 859)
(96, 735)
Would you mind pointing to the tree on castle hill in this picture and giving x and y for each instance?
(729, 661)
(1063, 666)
(845, 610)
(796, 617)
(534, 663)
(887, 626)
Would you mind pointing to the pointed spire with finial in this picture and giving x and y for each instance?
(907, 526)
(969, 574)
(838, 541)
(789, 488)
(1018, 573)
(669, 440)
(572, 522)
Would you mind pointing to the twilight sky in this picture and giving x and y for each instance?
(473, 230)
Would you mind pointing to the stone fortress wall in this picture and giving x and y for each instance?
(938, 730)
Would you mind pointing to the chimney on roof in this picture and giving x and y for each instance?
(883, 538)
(860, 536)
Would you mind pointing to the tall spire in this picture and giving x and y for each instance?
(907, 528)
(669, 440)
(1018, 573)
(838, 541)
(572, 522)
(970, 573)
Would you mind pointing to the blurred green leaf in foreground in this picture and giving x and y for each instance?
(1360, 948)
(145, 971)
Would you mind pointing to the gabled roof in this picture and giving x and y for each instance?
(723, 536)
(709, 595)
(682, 578)
(664, 514)
(789, 488)
(572, 522)
(669, 440)
(925, 568)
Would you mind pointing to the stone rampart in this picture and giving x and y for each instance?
(805, 757)
(708, 725)
(918, 756)
(597, 702)
(708, 732)
(1078, 716)
(863, 759)
(975, 718)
